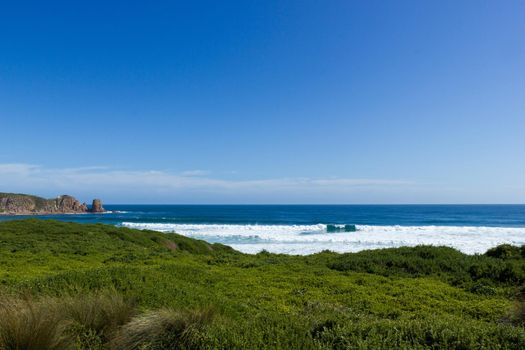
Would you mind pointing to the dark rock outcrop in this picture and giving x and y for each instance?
(24, 204)
(97, 207)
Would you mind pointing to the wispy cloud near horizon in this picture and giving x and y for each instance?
(119, 185)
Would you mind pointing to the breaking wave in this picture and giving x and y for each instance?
(308, 239)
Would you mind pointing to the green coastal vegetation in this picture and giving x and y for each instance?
(94, 286)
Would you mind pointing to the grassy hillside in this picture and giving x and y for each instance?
(102, 287)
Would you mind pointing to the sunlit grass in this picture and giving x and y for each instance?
(109, 287)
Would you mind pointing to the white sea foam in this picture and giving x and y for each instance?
(308, 239)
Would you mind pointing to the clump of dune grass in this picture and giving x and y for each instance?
(94, 321)
(97, 314)
(62, 323)
(163, 329)
(27, 324)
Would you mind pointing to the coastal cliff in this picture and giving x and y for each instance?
(24, 204)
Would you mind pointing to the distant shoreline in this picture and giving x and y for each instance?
(41, 214)
(19, 204)
(55, 213)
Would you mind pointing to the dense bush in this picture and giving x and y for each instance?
(447, 264)
(440, 333)
(506, 251)
(78, 286)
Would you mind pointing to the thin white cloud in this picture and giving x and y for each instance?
(195, 173)
(17, 169)
(112, 182)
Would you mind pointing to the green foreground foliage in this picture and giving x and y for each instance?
(76, 286)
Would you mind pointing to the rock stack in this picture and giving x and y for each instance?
(97, 207)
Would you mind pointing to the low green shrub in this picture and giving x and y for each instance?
(100, 287)
(432, 333)
(505, 251)
(447, 264)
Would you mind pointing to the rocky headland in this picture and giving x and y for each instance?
(24, 204)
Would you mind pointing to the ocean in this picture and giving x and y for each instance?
(307, 229)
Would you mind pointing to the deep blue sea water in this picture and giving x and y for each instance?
(301, 229)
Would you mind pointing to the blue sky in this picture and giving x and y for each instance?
(264, 101)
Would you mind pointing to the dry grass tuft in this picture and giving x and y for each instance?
(170, 245)
(163, 329)
(26, 324)
(53, 323)
(517, 313)
(101, 313)
(95, 321)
